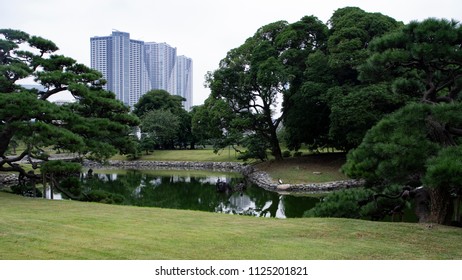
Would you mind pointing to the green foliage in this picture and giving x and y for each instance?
(419, 143)
(419, 59)
(26, 190)
(342, 204)
(286, 154)
(96, 126)
(72, 185)
(104, 197)
(359, 203)
(211, 122)
(59, 167)
(400, 145)
(256, 148)
(249, 81)
(158, 100)
(354, 114)
(161, 127)
(298, 154)
(164, 121)
(422, 58)
(330, 107)
(147, 143)
(445, 170)
(358, 107)
(351, 31)
(396, 149)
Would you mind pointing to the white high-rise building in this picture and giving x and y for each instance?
(139, 81)
(101, 47)
(160, 60)
(184, 79)
(133, 67)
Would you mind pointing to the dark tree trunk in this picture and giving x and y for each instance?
(275, 148)
(5, 138)
(422, 205)
(441, 206)
(276, 151)
(192, 145)
(274, 143)
(441, 202)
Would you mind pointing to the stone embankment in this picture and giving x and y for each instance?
(253, 175)
(263, 180)
(174, 165)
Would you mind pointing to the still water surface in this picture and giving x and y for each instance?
(195, 190)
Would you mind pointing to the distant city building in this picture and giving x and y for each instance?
(133, 67)
(183, 82)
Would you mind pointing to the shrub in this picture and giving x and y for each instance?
(298, 154)
(72, 185)
(342, 204)
(104, 197)
(26, 190)
(286, 154)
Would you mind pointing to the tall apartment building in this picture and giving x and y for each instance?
(183, 82)
(133, 67)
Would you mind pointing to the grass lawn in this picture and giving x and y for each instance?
(306, 169)
(189, 155)
(44, 229)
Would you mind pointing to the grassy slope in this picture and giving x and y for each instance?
(43, 229)
(307, 169)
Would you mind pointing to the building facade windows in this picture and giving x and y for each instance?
(133, 67)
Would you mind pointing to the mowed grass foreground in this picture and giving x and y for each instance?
(44, 229)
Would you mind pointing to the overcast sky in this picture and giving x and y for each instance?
(204, 30)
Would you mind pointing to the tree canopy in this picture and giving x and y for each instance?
(96, 125)
(211, 123)
(164, 122)
(327, 110)
(161, 127)
(418, 144)
(158, 99)
(254, 77)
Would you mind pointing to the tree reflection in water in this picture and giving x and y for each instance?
(180, 190)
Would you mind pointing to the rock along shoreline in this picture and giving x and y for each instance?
(251, 173)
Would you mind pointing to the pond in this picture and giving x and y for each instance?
(195, 190)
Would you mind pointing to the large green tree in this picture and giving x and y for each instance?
(161, 127)
(95, 126)
(158, 99)
(250, 79)
(160, 106)
(322, 110)
(418, 144)
(305, 43)
(256, 76)
(211, 124)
